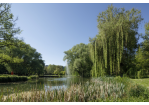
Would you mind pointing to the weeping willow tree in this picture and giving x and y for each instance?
(92, 55)
(116, 41)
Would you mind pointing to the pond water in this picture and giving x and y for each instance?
(44, 83)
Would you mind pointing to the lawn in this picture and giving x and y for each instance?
(143, 82)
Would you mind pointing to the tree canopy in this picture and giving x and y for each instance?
(113, 50)
(7, 32)
(116, 41)
(79, 60)
(15, 54)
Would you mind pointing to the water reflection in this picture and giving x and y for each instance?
(45, 83)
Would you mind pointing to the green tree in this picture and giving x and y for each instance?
(62, 73)
(56, 72)
(114, 46)
(142, 55)
(3, 69)
(51, 68)
(7, 32)
(32, 60)
(79, 60)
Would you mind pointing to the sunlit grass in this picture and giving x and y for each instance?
(144, 82)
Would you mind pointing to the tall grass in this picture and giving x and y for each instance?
(108, 89)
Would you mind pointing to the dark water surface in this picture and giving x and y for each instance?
(44, 83)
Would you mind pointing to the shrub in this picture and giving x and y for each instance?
(138, 90)
(33, 76)
(12, 78)
(29, 78)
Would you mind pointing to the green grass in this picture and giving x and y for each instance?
(144, 82)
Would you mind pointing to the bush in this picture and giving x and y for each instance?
(29, 78)
(138, 90)
(33, 76)
(12, 78)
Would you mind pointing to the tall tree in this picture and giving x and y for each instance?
(32, 60)
(7, 32)
(142, 55)
(51, 68)
(78, 59)
(116, 41)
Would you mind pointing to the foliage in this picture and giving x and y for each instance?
(12, 78)
(33, 76)
(56, 72)
(78, 60)
(142, 55)
(16, 55)
(7, 32)
(3, 69)
(112, 50)
(32, 60)
(138, 90)
(62, 73)
(65, 68)
(51, 68)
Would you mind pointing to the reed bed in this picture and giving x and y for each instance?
(97, 90)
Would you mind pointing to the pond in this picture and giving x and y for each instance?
(44, 83)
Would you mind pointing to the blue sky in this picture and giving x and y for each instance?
(54, 28)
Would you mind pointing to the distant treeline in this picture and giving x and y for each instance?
(55, 70)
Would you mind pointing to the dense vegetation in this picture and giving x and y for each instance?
(55, 70)
(4, 78)
(15, 54)
(102, 89)
(113, 50)
(78, 60)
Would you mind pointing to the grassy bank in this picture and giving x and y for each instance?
(15, 78)
(144, 82)
(108, 89)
